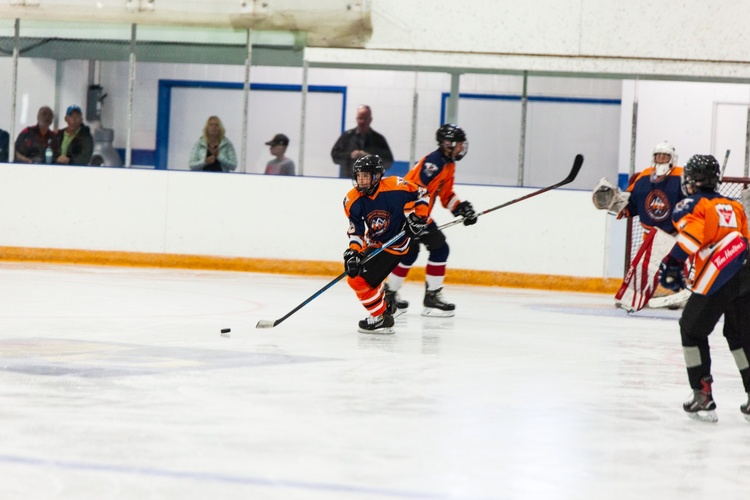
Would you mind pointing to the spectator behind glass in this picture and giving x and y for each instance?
(280, 165)
(33, 141)
(213, 152)
(4, 146)
(73, 145)
(360, 141)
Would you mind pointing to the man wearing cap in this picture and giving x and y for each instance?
(280, 164)
(360, 141)
(74, 144)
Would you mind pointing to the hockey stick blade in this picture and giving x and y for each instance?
(264, 323)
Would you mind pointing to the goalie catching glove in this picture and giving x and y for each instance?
(671, 275)
(608, 197)
(465, 210)
(352, 263)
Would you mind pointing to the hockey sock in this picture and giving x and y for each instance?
(435, 275)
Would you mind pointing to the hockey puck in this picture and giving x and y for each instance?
(226, 330)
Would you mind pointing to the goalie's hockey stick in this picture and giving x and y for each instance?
(724, 165)
(265, 323)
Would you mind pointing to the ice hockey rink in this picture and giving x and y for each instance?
(116, 384)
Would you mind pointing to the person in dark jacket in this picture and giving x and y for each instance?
(74, 144)
(4, 145)
(360, 141)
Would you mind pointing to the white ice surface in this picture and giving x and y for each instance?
(116, 384)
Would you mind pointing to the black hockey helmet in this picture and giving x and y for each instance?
(701, 172)
(448, 135)
(369, 164)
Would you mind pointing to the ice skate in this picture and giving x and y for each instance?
(435, 306)
(396, 305)
(382, 324)
(745, 409)
(702, 406)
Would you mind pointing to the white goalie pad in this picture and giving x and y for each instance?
(607, 196)
(642, 277)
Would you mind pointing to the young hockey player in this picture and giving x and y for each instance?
(378, 210)
(712, 229)
(436, 173)
(652, 197)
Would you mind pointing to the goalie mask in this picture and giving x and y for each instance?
(663, 159)
(702, 173)
(452, 141)
(367, 172)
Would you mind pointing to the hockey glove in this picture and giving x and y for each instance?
(415, 225)
(352, 263)
(670, 274)
(465, 210)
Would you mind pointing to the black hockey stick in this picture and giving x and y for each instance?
(724, 165)
(577, 163)
(265, 323)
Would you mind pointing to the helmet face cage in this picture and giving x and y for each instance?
(701, 172)
(662, 169)
(448, 136)
(369, 164)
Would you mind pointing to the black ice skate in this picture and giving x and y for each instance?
(435, 306)
(745, 409)
(396, 305)
(377, 324)
(702, 406)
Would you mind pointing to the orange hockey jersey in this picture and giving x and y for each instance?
(712, 229)
(436, 173)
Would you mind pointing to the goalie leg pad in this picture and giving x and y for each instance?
(642, 277)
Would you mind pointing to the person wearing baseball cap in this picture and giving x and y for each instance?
(280, 164)
(73, 145)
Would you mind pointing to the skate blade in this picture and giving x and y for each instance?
(399, 312)
(747, 417)
(704, 416)
(379, 331)
(433, 312)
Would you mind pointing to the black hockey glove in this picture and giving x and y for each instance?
(465, 210)
(415, 225)
(352, 263)
(670, 274)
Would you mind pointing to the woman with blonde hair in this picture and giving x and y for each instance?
(213, 152)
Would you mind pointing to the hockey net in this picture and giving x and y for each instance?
(731, 187)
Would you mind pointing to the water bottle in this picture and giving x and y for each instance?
(48, 153)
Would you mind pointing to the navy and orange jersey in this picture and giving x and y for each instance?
(436, 173)
(653, 202)
(375, 219)
(712, 229)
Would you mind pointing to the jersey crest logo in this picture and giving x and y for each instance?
(378, 221)
(727, 217)
(430, 169)
(657, 205)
